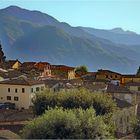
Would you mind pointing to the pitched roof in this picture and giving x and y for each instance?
(27, 64)
(44, 63)
(130, 76)
(51, 82)
(61, 67)
(63, 83)
(89, 76)
(4, 74)
(122, 103)
(8, 64)
(21, 81)
(91, 87)
(27, 67)
(133, 84)
(75, 81)
(41, 65)
(10, 74)
(111, 88)
(107, 71)
(14, 73)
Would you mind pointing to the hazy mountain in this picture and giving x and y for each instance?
(116, 35)
(35, 36)
(121, 31)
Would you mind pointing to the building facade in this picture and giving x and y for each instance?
(20, 91)
(129, 78)
(107, 75)
(63, 72)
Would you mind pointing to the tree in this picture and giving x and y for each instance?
(138, 71)
(82, 70)
(80, 98)
(2, 57)
(59, 123)
(55, 124)
(137, 129)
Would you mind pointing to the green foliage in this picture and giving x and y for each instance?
(2, 57)
(81, 98)
(59, 123)
(82, 70)
(92, 126)
(137, 129)
(138, 71)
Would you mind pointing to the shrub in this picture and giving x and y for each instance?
(137, 129)
(82, 70)
(59, 123)
(103, 104)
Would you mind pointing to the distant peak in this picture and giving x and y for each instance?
(118, 29)
(12, 7)
(121, 31)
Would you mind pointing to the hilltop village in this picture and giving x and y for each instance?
(20, 82)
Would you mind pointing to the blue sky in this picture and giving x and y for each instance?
(102, 14)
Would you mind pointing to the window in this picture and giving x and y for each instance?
(32, 90)
(111, 76)
(42, 88)
(23, 90)
(115, 76)
(106, 76)
(16, 90)
(138, 88)
(37, 89)
(8, 89)
(8, 97)
(15, 98)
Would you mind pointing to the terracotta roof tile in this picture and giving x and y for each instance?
(61, 67)
(41, 65)
(22, 81)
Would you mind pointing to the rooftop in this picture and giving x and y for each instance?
(107, 71)
(61, 67)
(130, 76)
(94, 88)
(111, 88)
(22, 81)
(41, 65)
(26, 64)
(8, 64)
(122, 103)
(10, 74)
(133, 84)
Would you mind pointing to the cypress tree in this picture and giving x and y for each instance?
(2, 57)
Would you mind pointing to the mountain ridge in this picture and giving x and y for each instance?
(60, 43)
